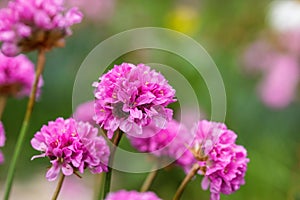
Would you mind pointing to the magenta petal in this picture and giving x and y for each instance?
(67, 169)
(53, 172)
(205, 183)
(135, 113)
(73, 16)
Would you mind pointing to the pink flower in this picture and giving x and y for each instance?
(130, 97)
(2, 141)
(258, 56)
(17, 76)
(132, 195)
(85, 112)
(71, 146)
(279, 86)
(28, 25)
(222, 162)
(279, 67)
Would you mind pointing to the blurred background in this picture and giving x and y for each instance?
(256, 46)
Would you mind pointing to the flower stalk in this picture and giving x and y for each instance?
(185, 181)
(59, 186)
(11, 172)
(3, 99)
(150, 178)
(116, 141)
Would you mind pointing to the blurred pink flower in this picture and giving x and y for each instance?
(173, 142)
(28, 25)
(131, 195)
(279, 66)
(279, 86)
(2, 141)
(71, 146)
(96, 10)
(290, 41)
(85, 112)
(17, 76)
(130, 97)
(258, 56)
(222, 162)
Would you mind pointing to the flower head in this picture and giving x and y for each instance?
(17, 76)
(2, 141)
(71, 146)
(132, 195)
(130, 97)
(222, 162)
(28, 25)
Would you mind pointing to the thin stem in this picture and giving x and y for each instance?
(99, 179)
(12, 167)
(148, 181)
(58, 187)
(3, 99)
(185, 181)
(116, 141)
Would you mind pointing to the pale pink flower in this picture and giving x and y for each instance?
(131, 97)
(172, 142)
(279, 86)
(71, 146)
(279, 67)
(85, 112)
(28, 25)
(17, 76)
(132, 195)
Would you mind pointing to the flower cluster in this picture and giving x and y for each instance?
(132, 195)
(2, 141)
(71, 146)
(130, 97)
(17, 76)
(222, 162)
(28, 25)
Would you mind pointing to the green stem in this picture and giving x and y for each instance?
(99, 179)
(116, 141)
(3, 99)
(58, 187)
(12, 167)
(185, 181)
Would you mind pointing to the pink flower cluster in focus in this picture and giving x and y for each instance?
(71, 146)
(130, 97)
(132, 195)
(17, 76)
(223, 163)
(2, 141)
(27, 25)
